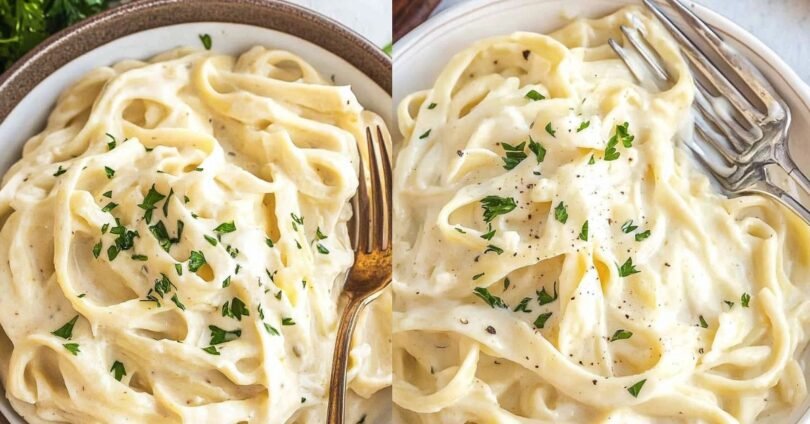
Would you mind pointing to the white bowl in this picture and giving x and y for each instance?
(423, 53)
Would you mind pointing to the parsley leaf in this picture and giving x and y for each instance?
(495, 205)
(490, 299)
(196, 261)
(206, 41)
(109, 171)
(627, 268)
(523, 306)
(236, 310)
(59, 171)
(628, 226)
(425, 135)
(226, 227)
(152, 197)
(643, 235)
(561, 213)
(621, 335)
(583, 126)
(118, 370)
(744, 299)
(544, 298)
(636, 388)
(540, 322)
(534, 95)
(514, 155)
(583, 233)
(66, 331)
(538, 150)
(72, 348)
(219, 336)
(551, 130)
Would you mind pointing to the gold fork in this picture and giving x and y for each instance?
(370, 231)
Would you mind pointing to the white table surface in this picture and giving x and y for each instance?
(369, 18)
(783, 25)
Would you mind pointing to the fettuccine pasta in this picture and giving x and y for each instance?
(560, 259)
(174, 243)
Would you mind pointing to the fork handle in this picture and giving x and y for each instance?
(340, 359)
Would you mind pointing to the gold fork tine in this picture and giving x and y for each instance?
(387, 192)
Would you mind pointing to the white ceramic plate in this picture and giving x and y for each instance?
(421, 55)
(29, 116)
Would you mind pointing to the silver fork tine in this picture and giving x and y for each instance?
(709, 71)
(626, 59)
(647, 53)
(749, 75)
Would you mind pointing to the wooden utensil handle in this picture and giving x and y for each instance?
(408, 14)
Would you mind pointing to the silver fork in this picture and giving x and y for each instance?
(752, 153)
(370, 232)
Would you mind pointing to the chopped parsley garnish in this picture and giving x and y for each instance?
(268, 242)
(544, 298)
(270, 329)
(636, 388)
(538, 150)
(211, 350)
(110, 206)
(523, 306)
(323, 250)
(206, 41)
(561, 213)
(104, 228)
(297, 244)
(97, 250)
(495, 205)
(703, 322)
(178, 303)
(643, 235)
(287, 321)
(534, 95)
(108, 194)
(72, 348)
(729, 303)
(163, 285)
(196, 261)
(141, 258)
(477, 276)
(297, 220)
(627, 268)
(744, 299)
(490, 299)
(149, 202)
(622, 134)
(592, 160)
(66, 331)
(59, 171)
(540, 322)
(226, 282)
(432, 106)
(219, 336)
(628, 226)
(178, 268)
(166, 203)
(109, 171)
(225, 227)
(514, 155)
(621, 335)
(488, 235)
(425, 135)
(550, 130)
(112, 143)
(319, 234)
(118, 370)
(211, 240)
(236, 310)
(493, 248)
(583, 233)
(112, 253)
(583, 125)
(162, 235)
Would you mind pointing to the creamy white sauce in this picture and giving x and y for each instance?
(696, 353)
(255, 157)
